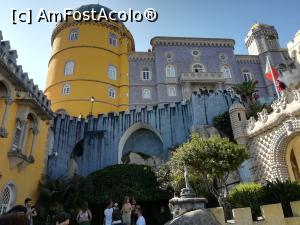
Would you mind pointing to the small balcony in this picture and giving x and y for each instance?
(17, 158)
(202, 77)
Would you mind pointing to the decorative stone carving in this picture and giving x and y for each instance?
(251, 123)
(280, 103)
(289, 127)
(263, 116)
(296, 95)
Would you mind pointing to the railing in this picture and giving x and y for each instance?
(203, 77)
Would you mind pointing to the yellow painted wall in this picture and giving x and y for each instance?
(294, 145)
(92, 55)
(25, 178)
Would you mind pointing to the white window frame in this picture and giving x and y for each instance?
(170, 70)
(146, 94)
(225, 69)
(112, 39)
(74, 35)
(66, 89)
(69, 67)
(112, 72)
(7, 203)
(202, 70)
(112, 93)
(247, 75)
(146, 73)
(172, 91)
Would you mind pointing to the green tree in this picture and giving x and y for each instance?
(247, 91)
(212, 159)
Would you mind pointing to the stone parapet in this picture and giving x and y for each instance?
(271, 215)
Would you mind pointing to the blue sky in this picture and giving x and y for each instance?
(189, 18)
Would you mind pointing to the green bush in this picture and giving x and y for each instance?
(223, 124)
(117, 181)
(281, 192)
(247, 195)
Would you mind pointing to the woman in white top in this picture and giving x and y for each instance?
(84, 216)
(108, 213)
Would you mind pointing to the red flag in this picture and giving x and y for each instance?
(280, 85)
(271, 72)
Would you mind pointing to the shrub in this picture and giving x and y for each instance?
(223, 124)
(281, 192)
(247, 195)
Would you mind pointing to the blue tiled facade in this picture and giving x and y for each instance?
(262, 40)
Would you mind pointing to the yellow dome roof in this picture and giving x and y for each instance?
(259, 25)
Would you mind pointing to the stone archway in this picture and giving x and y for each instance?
(76, 154)
(132, 140)
(280, 152)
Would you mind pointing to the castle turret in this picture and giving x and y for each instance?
(238, 120)
(88, 69)
(262, 38)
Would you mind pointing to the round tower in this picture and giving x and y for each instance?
(88, 69)
(238, 121)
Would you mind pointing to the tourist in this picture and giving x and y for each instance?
(16, 218)
(133, 214)
(62, 219)
(108, 212)
(141, 220)
(84, 215)
(30, 210)
(116, 217)
(126, 211)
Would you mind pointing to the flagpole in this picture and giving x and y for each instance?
(270, 68)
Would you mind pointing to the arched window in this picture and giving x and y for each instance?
(170, 71)
(146, 73)
(74, 34)
(66, 89)
(8, 198)
(113, 39)
(112, 72)
(146, 93)
(226, 71)
(294, 55)
(69, 67)
(112, 92)
(247, 75)
(17, 137)
(198, 68)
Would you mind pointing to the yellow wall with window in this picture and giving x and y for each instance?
(92, 54)
(22, 161)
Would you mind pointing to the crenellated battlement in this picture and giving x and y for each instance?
(8, 58)
(271, 215)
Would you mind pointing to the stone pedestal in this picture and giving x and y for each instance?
(187, 202)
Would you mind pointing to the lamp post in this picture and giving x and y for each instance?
(92, 99)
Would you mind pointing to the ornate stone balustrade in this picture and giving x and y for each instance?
(287, 106)
(203, 77)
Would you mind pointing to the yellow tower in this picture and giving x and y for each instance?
(88, 69)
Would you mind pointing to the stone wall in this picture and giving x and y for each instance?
(92, 144)
(271, 215)
(269, 136)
